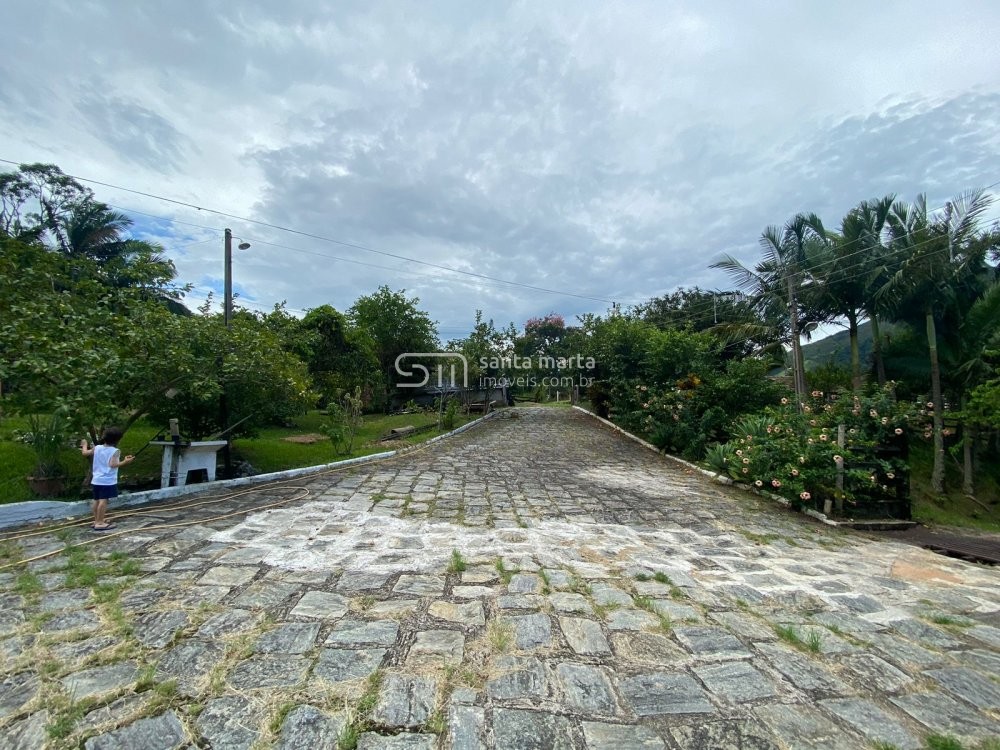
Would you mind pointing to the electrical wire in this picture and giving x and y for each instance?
(323, 238)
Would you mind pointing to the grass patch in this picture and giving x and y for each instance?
(362, 712)
(661, 577)
(505, 575)
(942, 742)
(642, 577)
(28, 584)
(457, 564)
(948, 621)
(279, 717)
(759, 538)
(813, 642)
(500, 636)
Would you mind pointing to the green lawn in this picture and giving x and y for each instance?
(267, 452)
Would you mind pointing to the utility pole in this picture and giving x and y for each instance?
(227, 316)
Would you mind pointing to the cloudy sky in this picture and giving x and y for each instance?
(610, 151)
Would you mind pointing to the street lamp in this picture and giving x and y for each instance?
(227, 314)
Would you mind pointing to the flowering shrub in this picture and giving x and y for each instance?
(796, 454)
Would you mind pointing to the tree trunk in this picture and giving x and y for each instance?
(937, 473)
(968, 457)
(852, 321)
(877, 351)
(798, 370)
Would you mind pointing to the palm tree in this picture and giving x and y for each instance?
(849, 270)
(937, 257)
(92, 230)
(781, 276)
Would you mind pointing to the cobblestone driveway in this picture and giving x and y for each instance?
(537, 582)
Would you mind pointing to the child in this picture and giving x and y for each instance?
(107, 459)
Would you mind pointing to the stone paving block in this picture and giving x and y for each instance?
(943, 714)
(270, 671)
(861, 604)
(708, 642)
(631, 619)
(558, 578)
(227, 575)
(466, 727)
(307, 727)
(525, 583)
(968, 685)
(59, 600)
(230, 622)
(874, 723)
(804, 673)
(419, 585)
(664, 693)
(158, 629)
(340, 665)
(606, 594)
(804, 726)
(564, 602)
(900, 651)
(163, 732)
(472, 592)
(586, 688)
(871, 672)
(531, 730)
(405, 701)
(584, 636)
(520, 601)
(353, 633)
(320, 605)
(734, 734)
(924, 634)
(647, 648)
(265, 594)
(735, 682)
(437, 647)
(91, 683)
(601, 736)
(353, 581)
(122, 711)
(231, 722)
(81, 619)
(73, 651)
(985, 633)
(676, 612)
(395, 608)
(288, 638)
(27, 734)
(189, 662)
(470, 615)
(375, 741)
(517, 677)
(530, 631)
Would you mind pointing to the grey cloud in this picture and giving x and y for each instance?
(138, 133)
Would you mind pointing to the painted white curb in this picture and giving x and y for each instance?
(17, 514)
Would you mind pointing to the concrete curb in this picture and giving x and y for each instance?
(31, 511)
(720, 479)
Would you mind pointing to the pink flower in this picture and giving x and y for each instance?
(775, 483)
(885, 420)
(812, 422)
(805, 495)
(746, 470)
(898, 431)
(746, 460)
(890, 475)
(739, 452)
(758, 483)
(795, 472)
(838, 459)
(872, 413)
(807, 409)
(823, 438)
(930, 404)
(784, 401)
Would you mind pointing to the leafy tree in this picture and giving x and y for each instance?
(395, 325)
(341, 358)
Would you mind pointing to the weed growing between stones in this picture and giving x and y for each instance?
(546, 583)
(457, 563)
(505, 575)
(661, 577)
(500, 636)
(360, 717)
(28, 585)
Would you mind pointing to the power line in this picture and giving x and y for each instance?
(322, 238)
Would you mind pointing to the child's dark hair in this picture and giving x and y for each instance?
(111, 436)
